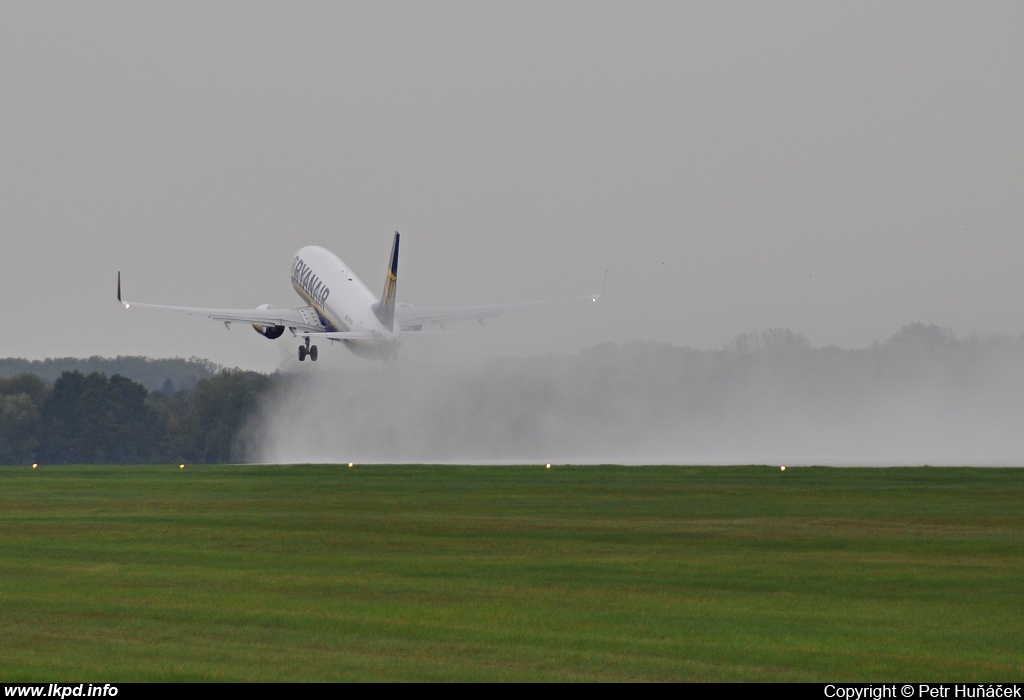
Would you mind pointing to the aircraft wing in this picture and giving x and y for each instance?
(409, 317)
(291, 318)
(305, 319)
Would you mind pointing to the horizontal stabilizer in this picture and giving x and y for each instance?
(343, 335)
(409, 317)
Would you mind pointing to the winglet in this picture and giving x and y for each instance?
(595, 297)
(385, 308)
(126, 304)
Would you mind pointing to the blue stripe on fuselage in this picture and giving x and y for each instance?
(324, 321)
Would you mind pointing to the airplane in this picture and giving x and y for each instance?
(340, 308)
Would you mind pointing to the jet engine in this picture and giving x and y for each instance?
(269, 332)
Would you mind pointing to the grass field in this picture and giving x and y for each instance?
(510, 573)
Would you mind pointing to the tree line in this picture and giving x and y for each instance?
(96, 419)
(164, 374)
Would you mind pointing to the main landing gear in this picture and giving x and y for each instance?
(307, 349)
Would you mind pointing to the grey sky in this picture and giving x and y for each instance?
(840, 169)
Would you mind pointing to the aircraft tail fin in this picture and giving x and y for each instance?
(385, 308)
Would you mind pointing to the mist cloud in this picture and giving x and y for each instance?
(922, 396)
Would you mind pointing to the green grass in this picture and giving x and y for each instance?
(510, 573)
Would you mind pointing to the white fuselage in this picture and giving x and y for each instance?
(341, 299)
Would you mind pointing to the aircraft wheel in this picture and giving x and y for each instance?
(302, 353)
(312, 353)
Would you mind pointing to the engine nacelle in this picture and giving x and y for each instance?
(269, 332)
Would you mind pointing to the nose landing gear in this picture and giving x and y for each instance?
(307, 350)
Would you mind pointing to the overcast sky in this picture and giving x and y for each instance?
(840, 169)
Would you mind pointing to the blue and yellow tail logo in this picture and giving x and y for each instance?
(385, 308)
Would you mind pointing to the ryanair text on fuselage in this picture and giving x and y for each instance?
(304, 278)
